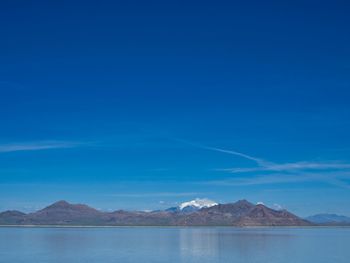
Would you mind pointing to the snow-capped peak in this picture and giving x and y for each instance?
(198, 203)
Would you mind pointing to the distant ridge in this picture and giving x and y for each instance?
(240, 213)
(329, 219)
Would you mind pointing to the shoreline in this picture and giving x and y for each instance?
(233, 227)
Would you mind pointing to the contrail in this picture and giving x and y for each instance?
(259, 161)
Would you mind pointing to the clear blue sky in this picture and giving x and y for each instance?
(144, 104)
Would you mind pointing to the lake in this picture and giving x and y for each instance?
(158, 244)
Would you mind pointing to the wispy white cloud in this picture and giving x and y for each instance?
(267, 172)
(283, 172)
(273, 167)
(334, 178)
(37, 146)
(260, 180)
(268, 166)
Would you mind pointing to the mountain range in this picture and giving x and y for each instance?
(329, 219)
(196, 213)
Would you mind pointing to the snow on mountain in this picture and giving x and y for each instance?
(197, 204)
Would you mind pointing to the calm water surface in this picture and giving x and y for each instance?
(105, 245)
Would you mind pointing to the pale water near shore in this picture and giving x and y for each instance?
(142, 244)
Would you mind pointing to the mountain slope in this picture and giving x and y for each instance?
(261, 215)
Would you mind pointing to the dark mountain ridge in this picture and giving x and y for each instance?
(241, 213)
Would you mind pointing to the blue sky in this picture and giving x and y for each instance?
(143, 105)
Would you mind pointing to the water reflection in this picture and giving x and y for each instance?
(198, 243)
(226, 243)
(190, 245)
